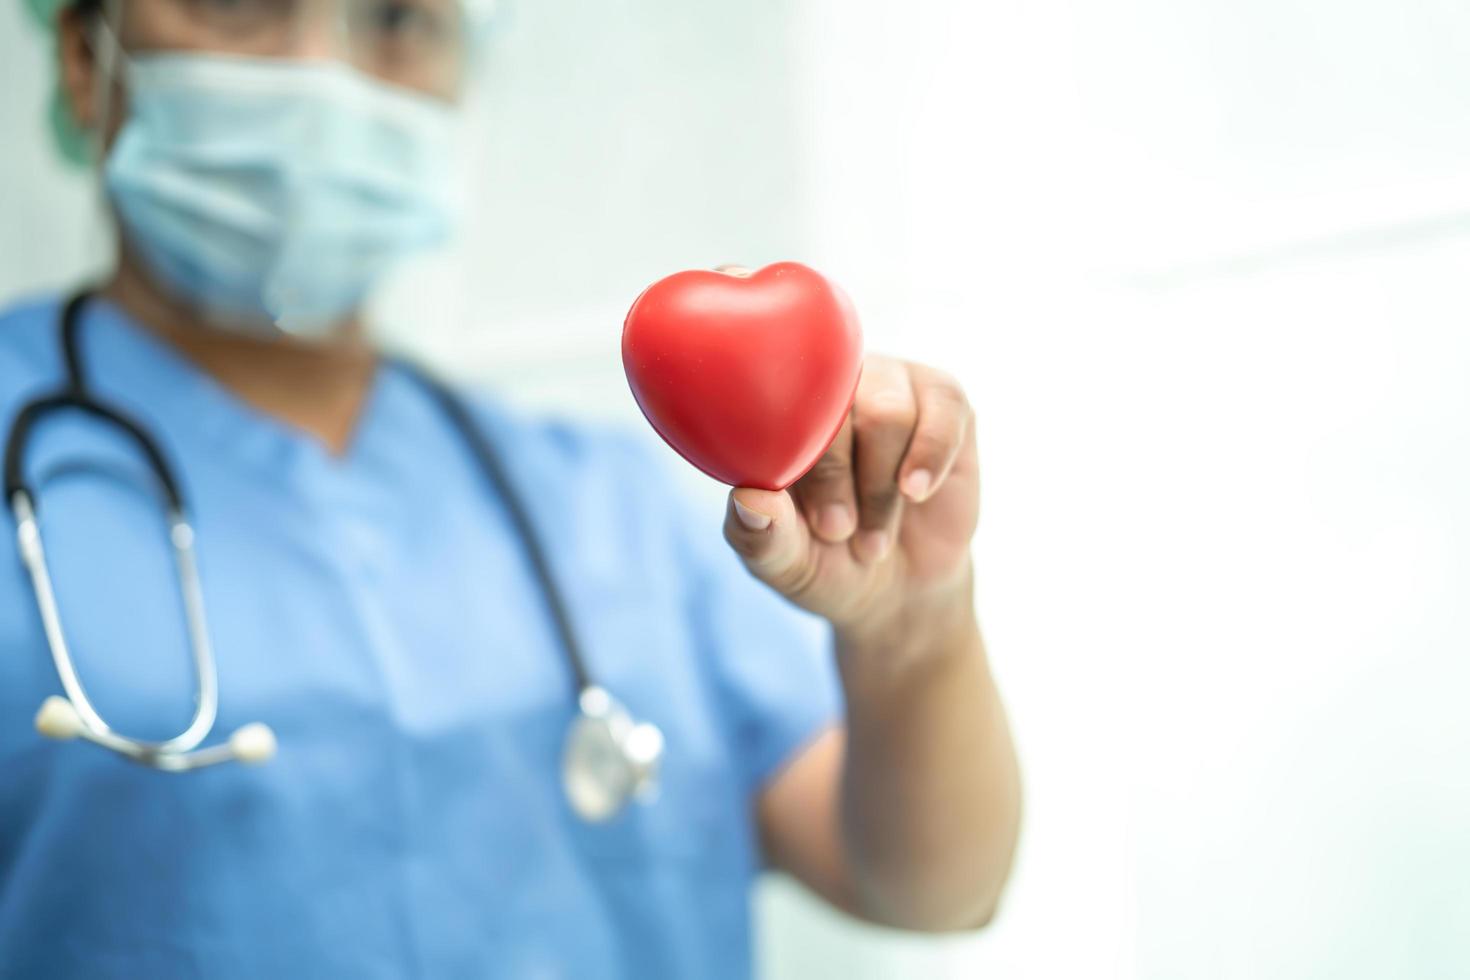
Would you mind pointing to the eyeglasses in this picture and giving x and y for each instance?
(420, 44)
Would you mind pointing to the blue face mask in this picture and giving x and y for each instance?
(272, 194)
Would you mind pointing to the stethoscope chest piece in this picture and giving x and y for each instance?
(609, 758)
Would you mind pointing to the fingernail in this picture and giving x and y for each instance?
(916, 484)
(835, 522)
(753, 520)
(870, 546)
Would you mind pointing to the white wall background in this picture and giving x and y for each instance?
(1202, 264)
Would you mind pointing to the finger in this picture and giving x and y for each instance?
(939, 434)
(826, 494)
(883, 417)
(765, 530)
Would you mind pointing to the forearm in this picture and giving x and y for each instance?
(930, 799)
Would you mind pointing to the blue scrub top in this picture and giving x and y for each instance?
(377, 611)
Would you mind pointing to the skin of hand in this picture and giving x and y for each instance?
(907, 815)
(883, 521)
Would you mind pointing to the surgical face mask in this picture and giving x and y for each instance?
(273, 194)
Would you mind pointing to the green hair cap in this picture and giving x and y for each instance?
(67, 136)
(44, 12)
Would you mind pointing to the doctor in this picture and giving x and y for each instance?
(818, 676)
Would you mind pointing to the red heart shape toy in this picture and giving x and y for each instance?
(747, 377)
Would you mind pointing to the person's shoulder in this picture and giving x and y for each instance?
(28, 354)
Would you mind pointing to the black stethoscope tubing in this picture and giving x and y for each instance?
(75, 395)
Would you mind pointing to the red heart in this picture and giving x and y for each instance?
(747, 377)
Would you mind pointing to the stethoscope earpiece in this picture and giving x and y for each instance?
(251, 744)
(58, 719)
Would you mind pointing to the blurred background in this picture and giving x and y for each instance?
(1203, 266)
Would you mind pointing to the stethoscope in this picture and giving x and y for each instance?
(608, 757)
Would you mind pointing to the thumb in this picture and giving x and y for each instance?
(766, 531)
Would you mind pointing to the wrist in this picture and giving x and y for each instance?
(937, 622)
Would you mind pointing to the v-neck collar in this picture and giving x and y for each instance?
(142, 373)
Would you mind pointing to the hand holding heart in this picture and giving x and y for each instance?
(879, 527)
(886, 515)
